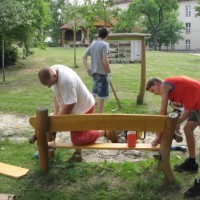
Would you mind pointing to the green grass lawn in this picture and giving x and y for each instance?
(23, 94)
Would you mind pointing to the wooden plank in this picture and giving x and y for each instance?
(135, 122)
(107, 146)
(12, 171)
(7, 196)
(126, 36)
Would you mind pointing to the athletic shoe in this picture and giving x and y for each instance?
(194, 190)
(112, 136)
(178, 137)
(186, 167)
(76, 157)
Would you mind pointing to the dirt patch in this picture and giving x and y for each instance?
(17, 128)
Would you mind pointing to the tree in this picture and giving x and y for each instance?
(104, 10)
(153, 11)
(12, 14)
(197, 9)
(73, 14)
(125, 23)
(57, 10)
(23, 22)
(169, 32)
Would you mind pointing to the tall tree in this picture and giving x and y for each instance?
(125, 23)
(12, 14)
(57, 10)
(73, 14)
(104, 10)
(153, 11)
(169, 32)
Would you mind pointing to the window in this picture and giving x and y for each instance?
(187, 44)
(187, 28)
(188, 10)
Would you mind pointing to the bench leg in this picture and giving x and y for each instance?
(164, 164)
(41, 134)
(165, 148)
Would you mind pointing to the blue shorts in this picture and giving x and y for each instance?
(100, 86)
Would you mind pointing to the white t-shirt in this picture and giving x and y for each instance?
(70, 89)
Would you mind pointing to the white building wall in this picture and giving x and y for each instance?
(193, 36)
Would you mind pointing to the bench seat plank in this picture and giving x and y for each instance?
(107, 146)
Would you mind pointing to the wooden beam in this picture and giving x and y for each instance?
(165, 145)
(140, 96)
(41, 124)
(70, 122)
(108, 146)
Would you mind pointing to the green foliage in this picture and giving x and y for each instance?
(11, 55)
(125, 22)
(197, 9)
(169, 32)
(153, 11)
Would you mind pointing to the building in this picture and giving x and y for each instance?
(82, 35)
(191, 22)
(191, 34)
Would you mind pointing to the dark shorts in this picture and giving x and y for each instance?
(194, 116)
(100, 86)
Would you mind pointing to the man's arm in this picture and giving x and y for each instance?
(67, 109)
(56, 106)
(85, 62)
(165, 88)
(89, 71)
(106, 64)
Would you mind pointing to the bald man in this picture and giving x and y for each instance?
(71, 96)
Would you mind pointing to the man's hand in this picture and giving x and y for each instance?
(109, 77)
(89, 71)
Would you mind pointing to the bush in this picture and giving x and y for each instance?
(11, 55)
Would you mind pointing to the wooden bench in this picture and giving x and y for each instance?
(44, 123)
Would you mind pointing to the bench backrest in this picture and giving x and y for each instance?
(156, 123)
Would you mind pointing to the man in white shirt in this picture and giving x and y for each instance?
(71, 96)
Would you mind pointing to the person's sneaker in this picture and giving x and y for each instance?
(32, 139)
(186, 167)
(112, 136)
(194, 190)
(76, 157)
(178, 137)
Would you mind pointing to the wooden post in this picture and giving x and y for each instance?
(140, 96)
(41, 135)
(165, 147)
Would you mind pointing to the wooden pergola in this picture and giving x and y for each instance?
(130, 37)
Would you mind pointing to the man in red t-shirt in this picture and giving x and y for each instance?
(186, 91)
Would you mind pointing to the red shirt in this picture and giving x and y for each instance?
(184, 90)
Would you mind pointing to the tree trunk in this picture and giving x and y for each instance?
(75, 46)
(155, 39)
(3, 62)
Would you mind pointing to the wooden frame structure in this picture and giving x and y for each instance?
(130, 37)
(44, 123)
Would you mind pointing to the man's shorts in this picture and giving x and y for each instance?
(194, 116)
(84, 137)
(100, 86)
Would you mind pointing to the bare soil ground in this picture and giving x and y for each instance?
(17, 128)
